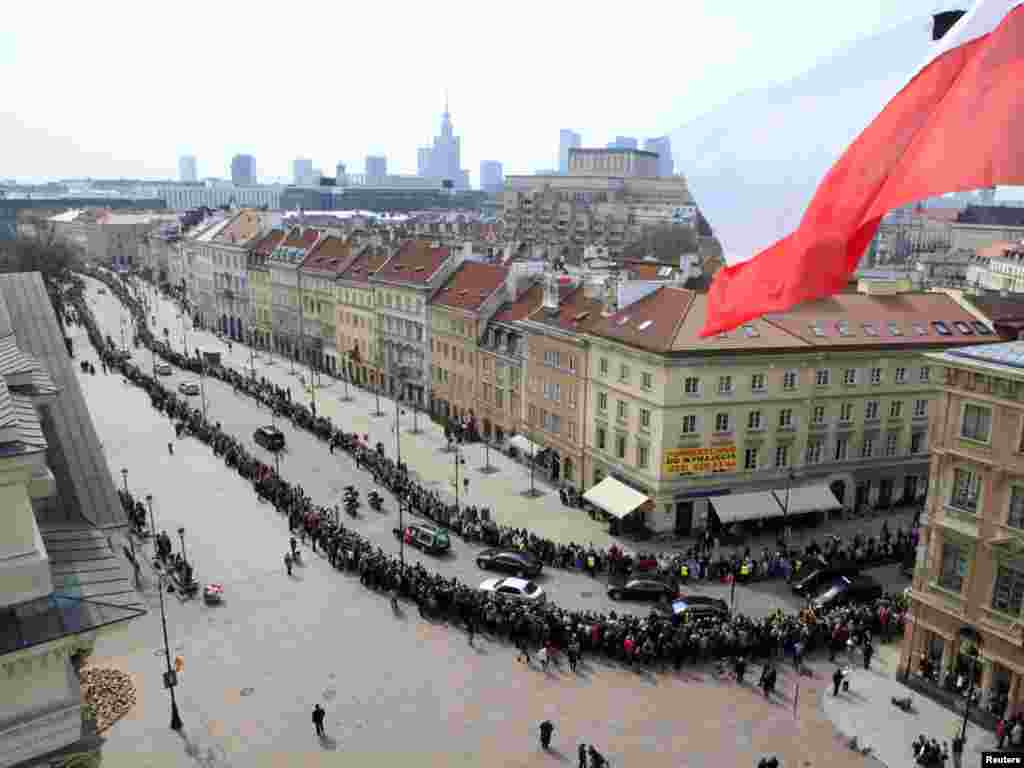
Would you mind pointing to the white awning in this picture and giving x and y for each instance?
(614, 497)
(808, 498)
(740, 507)
(524, 446)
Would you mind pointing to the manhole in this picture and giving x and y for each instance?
(247, 691)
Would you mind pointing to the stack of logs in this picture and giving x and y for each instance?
(110, 692)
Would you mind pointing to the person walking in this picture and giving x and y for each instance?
(170, 448)
(868, 651)
(318, 720)
(288, 562)
(546, 729)
(542, 656)
(837, 680)
(958, 751)
(581, 754)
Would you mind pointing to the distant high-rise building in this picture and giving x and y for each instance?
(341, 175)
(302, 172)
(444, 155)
(566, 140)
(624, 142)
(491, 177)
(243, 171)
(376, 168)
(187, 168)
(423, 161)
(663, 146)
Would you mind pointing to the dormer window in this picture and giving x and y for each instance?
(894, 329)
(843, 328)
(941, 328)
(816, 329)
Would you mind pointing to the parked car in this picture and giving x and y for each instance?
(269, 437)
(699, 606)
(163, 369)
(514, 589)
(642, 589)
(511, 560)
(821, 575)
(846, 591)
(427, 537)
(188, 388)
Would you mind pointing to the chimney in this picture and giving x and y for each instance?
(467, 251)
(611, 297)
(550, 292)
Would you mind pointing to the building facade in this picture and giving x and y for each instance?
(198, 265)
(317, 278)
(357, 326)
(183, 198)
(376, 168)
(229, 261)
(662, 146)
(969, 577)
(617, 162)
(261, 296)
(566, 140)
(243, 171)
(187, 168)
(283, 264)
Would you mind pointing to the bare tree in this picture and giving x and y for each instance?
(665, 242)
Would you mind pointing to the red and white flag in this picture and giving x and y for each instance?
(958, 124)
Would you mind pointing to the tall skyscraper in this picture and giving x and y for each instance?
(302, 172)
(341, 175)
(663, 146)
(566, 140)
(624, 142)
(491, 177)
(187, 168)
(445, 154)
(243, 171)
(376, 168)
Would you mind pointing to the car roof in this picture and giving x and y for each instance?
(269, 428)
(512, 581)
(427, 527)
(700, 600)
(642, 580)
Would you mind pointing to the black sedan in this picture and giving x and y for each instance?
(522, 564)
(817, 577)
(642, 589)
(270, 438)
(699, 607)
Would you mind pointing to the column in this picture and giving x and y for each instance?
(987, 670)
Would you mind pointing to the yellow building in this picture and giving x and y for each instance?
(357, 331)
(317, 277)
(824, 406)
(262, 319)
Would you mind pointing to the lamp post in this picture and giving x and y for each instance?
(152, 519)
(400, 495)
(346, 371)
(181, 535)
(252, 352)
(488, 468)
(202, 385)
(378, 412)
(533, 492)
(459, 460)
(790, 477)
(170, 676)
(124, 478)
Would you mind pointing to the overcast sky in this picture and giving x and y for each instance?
(122, 89)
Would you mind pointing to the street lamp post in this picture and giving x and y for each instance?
(152, 519)
(346, 371)
(202, 385)
(252, 353)
(401, 494)
(124, 478)
(488, 468)
(170, 676)
(790, 477)
(181, 535)
(533, 492)
(458, 461)
(378, 412)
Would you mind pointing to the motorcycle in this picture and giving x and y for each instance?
(376, 501)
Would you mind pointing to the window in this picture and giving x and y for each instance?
(818, 414)
(623, 372)
(846, 413)
(552, 357)
(645, 418)
(896, 409)
(757, 383)
(602, 401)
(499, 398)
(572, 363)
(786, 418)
(1015, 516)
(602, 366)
(876, 376)
(725, 385)
(552, 422)
(646, 380)
(721, 422)
(689, 424)
(620, 446)
(977, 423)
(822, 377)
(571, 395)
(954, 567)
(966, 489)
(532, 414)
(900, 376)
(552, 391)
(754, 420)
(917, 443)
(1008, 592)
(850, 377)
(920, 409)
(892, 441)
(601, 438)
(842, 449)
(867, 448)
(691, 386)
(642, 455)
(622, 410)
(789, 379)
(814, 451)
(925, 374)
(572, 436)
(782, 456)
(871, 410)
(750, 456)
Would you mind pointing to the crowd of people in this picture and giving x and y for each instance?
(658, 640)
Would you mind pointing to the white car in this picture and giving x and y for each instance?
(188, 388)
(515, 589)
(163, 369)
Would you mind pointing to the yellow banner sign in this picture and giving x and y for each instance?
(692, 461)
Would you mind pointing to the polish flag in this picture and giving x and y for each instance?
(956, 124)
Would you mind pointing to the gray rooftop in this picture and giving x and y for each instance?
(1009, 354)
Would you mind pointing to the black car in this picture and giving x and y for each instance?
(699, 606)
(847, 591)
(270, 438)
(510, 560)
(818, 575)
(642, 589)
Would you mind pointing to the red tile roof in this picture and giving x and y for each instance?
(331, 254)
(525, 305)
(367, 261)
(244, 227)
(299, 239)
(415, 262)
(470, 286)
(576, 312)
(998, 249)
(268, 243)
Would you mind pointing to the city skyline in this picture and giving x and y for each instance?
(76, 136)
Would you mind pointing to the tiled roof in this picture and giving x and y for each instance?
(367, 261)
(297, 238)
(998, 308)
(998, 249)
(414, 263)
(30, 431)
(576, 312)
(1008, 354)
(245, 226)
(471, 285)
(519, 309)
(331, 254)
(12, 360)
(268, 243)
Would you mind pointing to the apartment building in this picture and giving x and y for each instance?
(283, 264)
(824, 406)
(261, 293)
(403, 286)
(198, 249)
(356, 324)
(318, 274)
(968, 586)
(229, 261)
(459, 312)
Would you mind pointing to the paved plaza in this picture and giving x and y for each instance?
(397, 689)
